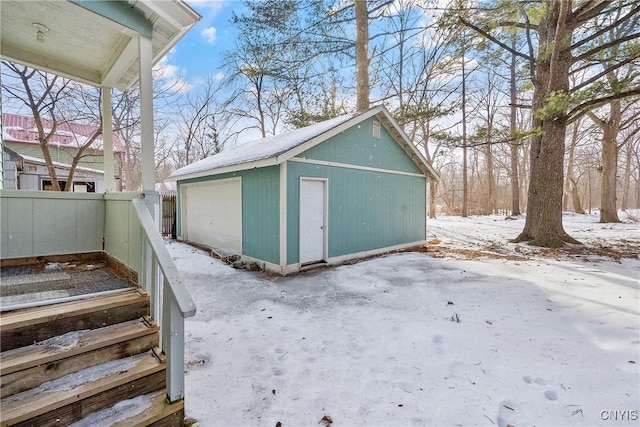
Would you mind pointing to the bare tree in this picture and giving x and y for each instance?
(48, 98)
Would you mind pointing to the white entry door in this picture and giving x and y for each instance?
(312, 220)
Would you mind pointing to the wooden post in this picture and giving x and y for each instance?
(107, 138)
(173, 344)
(146, 114)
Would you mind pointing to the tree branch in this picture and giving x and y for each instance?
(604, 72)
(496, 41)
(589, 10)
(607, 28)
(581, 109)
(516, 24)
(615, 42)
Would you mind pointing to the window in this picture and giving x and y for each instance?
(48, 186)
(376, 129)
(78, 187)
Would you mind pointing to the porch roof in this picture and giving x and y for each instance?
(94, 42)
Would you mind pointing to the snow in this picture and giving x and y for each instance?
(60, 165)
(263, 148)
(80, 378)
(477, 332)
(119, 412)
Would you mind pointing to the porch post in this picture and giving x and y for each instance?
(1, 152)
(107, 138)
(146, 114)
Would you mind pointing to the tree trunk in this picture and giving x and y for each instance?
(608, 196)
(637, 156)
(465, 188)
(571, 185)
(433, 192)
(608, 179)
(362, 55)
(491, 191)
(515, 184)
(543, 226)
(43, 141)
(626, 180)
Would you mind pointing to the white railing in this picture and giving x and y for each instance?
(171, 302)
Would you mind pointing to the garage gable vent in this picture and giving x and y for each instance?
(376, 129)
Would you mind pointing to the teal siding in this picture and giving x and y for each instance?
(122, 230)
(357, 146)
(367, 210)
(260, 211)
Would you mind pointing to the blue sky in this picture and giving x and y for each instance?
(199, 53)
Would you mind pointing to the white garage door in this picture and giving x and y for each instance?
(212, 214)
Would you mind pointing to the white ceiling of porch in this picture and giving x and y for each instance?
(83, 45)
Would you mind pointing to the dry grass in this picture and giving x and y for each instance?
(624, 250)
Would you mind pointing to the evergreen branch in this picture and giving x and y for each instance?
(589, 10)
(583, 108)
(532, 63)
(495, 40)
(597, 49)
(607, 28)
(524, 26)
(604, 72)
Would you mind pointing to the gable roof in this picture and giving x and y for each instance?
(280, 148)
(19, 128)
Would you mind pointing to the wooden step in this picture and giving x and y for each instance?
(24, 327)
(72, 397)
(147, 410)
(28, 367)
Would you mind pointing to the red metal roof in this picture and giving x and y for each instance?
(20, 128)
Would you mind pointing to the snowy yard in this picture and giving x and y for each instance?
(476, 332)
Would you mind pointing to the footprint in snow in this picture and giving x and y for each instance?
(538, 380)
(549, 394)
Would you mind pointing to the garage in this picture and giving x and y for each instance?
(212, 213)
(346, 188)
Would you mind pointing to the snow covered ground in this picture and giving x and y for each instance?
(477, 331)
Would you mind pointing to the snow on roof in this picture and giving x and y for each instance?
(59, 164)
(263, 148)
(7, 137)
(16, 127)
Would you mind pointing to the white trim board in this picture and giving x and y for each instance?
(261, 163)
(283, 213)
(356, 167)
(296, 267)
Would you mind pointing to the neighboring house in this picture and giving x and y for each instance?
(20, 144)
(346, 188)
(30, 173)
